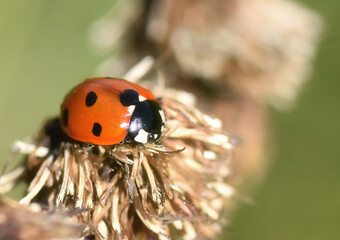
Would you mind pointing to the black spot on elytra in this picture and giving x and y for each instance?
(129, 97)
(97, 129)
(64, 117)
(91, 99)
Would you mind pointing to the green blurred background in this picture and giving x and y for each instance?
(45, 51)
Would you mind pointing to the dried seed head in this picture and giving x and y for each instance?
(20, 222)
(175, 189)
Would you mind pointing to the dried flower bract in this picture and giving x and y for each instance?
(174, 190)
(21, 222)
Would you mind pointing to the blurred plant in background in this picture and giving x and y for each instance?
(238, 57)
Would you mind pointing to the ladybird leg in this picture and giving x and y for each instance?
(89, 146)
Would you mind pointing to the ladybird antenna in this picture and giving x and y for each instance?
(140, 69)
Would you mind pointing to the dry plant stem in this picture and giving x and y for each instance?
(176, 189)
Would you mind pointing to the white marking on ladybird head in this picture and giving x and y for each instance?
(161, 112)
(155, 135)
(141, 98)
(131, 108)
(142, 136)
(162, 128)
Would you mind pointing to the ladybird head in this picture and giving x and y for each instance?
(147, 121)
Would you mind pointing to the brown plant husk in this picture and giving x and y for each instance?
(175, 190)
(22, 222)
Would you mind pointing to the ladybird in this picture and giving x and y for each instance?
(107, 111)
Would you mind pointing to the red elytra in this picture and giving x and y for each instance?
(93, 111)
